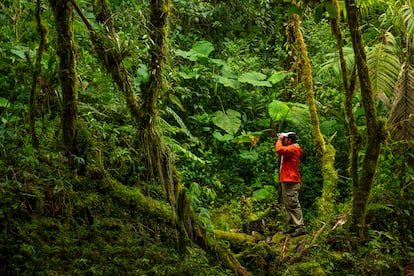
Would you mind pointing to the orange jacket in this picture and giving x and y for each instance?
(289, 162)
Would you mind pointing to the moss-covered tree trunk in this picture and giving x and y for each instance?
(156, 154)
(36, 75)
(375, 131)
(325, 153)
(349, 88)
(66, 51)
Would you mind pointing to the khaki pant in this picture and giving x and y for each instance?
(290, 195)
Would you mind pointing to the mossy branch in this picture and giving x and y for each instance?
(131, 196)
(112, 62)
(155, 153)
(237, 241)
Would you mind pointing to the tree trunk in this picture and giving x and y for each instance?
(325, 153)
(375, 131)
(36, 75)
(63, 12)
(156, 154)
(349, 88)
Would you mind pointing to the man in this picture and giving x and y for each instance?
(289, 177)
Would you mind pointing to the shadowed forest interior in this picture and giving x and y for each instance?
(138, 137)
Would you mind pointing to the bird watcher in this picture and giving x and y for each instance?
(289, 176)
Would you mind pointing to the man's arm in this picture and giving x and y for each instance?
(285, 150)
(278, 145)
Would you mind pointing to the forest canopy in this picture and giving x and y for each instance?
(138, 137)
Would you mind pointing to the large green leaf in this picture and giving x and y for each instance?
(255, 78)
(189, 75)
(332, 65)
(249, 155)
(228, 82)
(185, 54)
(278, 76)
(3, 102)
(278, 110)
(20, 51)
(329, 127)
(221, 137)
(200, 49)
(267, 192)
(229, 121)
(299, 115)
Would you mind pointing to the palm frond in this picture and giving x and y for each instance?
(407, 20)
(384, 65)
(366, 7)
(333, 63)
(401, 117)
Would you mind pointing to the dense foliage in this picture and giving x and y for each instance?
(231, 85)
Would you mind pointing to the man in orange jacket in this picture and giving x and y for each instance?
(289, 177)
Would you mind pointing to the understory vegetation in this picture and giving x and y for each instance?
(94, 204)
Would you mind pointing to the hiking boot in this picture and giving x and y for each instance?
(298, 232)
(288, 231)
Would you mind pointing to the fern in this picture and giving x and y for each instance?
(333, 63)
(183, 128)
(378, 206)
(176, 147)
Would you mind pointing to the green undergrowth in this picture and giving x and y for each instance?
(108, 247)
(56, 220)
(98, 226)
